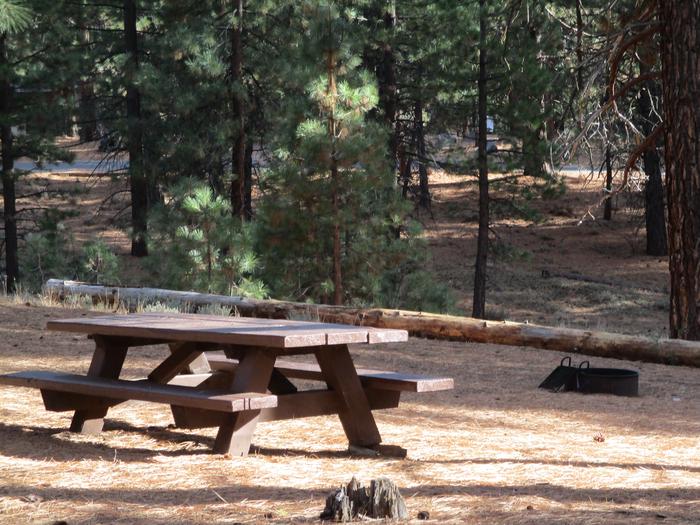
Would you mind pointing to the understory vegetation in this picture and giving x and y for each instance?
(288, 149)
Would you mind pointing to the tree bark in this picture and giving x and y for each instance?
(137, 173)
(87, 109)
(579, 46)
(607, 209)
(248, 181)
(8, 177)
(87, 112)
(424, 188)
(654, 209)
(386, 79)
(332, 92)
(680, 53)
(238, 150)
(479, 303)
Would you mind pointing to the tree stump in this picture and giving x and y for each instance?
(386, 501)
(381, 500)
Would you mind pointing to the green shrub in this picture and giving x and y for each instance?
(99, 264)
(50, 253)
(196, 244)
(45, 255)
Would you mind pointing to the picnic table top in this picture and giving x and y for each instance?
(275, 333)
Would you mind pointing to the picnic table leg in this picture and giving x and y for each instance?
(252, 375)
(340, 375)
(106, 362)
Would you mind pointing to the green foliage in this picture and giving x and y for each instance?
(214, 309)
(45, 255)
(411, 287)
(14, 16)
(51, 253)
(161, 307)
(312, 109)
(99, 264)
(199, 246)
(332, 175)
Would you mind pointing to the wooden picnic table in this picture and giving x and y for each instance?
(224, 372)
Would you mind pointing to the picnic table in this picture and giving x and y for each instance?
(225, 372)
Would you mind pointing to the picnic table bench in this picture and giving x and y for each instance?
(224, 372)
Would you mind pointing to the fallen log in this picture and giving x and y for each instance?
(419, 324)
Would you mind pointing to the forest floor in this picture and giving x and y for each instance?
(496, 449)
(569, 268)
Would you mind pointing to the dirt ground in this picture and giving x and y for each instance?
(569, 268)
(496, 449)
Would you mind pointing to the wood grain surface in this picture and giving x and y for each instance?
(273, 333)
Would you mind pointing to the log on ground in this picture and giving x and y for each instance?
(419, 324)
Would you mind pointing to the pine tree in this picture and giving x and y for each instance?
(479, 302)
(331, 200)
(681, 90)
(34, 66)
(201, 245)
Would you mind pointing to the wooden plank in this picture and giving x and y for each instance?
(182, 354)
(225, 330)
(115, 389)
(253, 375)
(133, 342)
(191, 417)
(195, 380)
(107, 361)
(370, 378)
(199, 365)
(309, 403)
(67, 401)
(355, 414)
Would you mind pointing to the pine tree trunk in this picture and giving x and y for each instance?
(405, 167)
(137, 173)
(424, 189)
(533, 160)
(248, 181)
(8, 178)
(87, 112)
(579, 46)
(332, 92)
(607, 209)
(238, 156)
(87, 109)
(216, 176)
(654, 189)
(680, 51)
(479, 305)
(386, 79)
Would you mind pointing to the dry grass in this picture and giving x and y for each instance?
(494, 450)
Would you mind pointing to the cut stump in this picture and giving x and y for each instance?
(381, 499)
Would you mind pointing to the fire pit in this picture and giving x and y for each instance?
(567, 377)
(616, 381)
